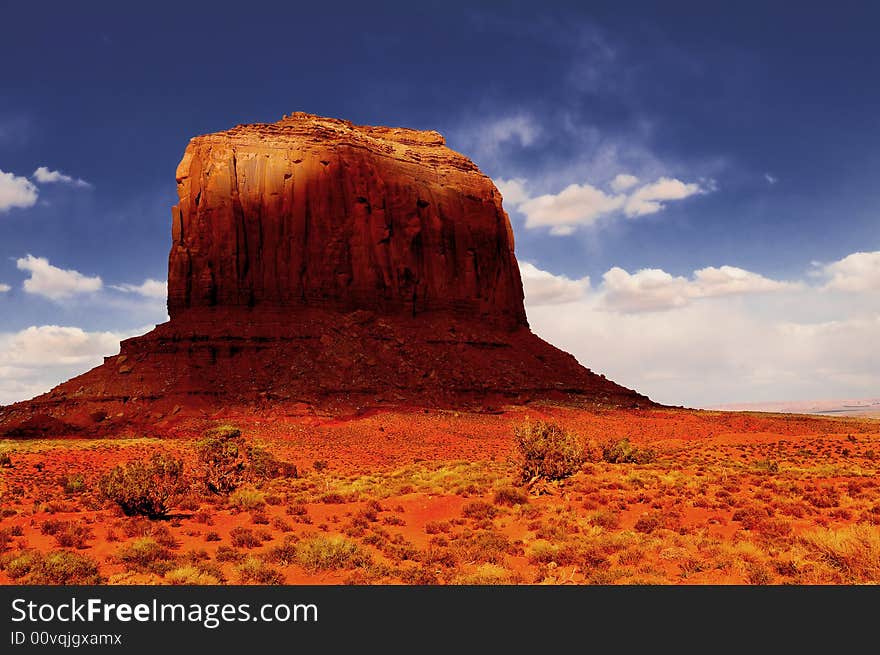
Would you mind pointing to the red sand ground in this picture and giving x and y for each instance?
(729, 498)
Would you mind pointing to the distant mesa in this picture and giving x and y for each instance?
(319, 264)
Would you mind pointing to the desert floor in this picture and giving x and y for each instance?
(435, 497)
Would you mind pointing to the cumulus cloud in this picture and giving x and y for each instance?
(730, 280)
(647, 290)
(53, 282)
(670, 336)
(576, 204)
(544, 288)
(5, 288)
(149, 288)
(584, 204)
(16, 191)
(859, 271)
(35, 359)
(649, 198)
(45, 176)
(652, 289)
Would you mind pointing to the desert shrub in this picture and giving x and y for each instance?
(190, 575)
(320, 553)
(5, 460)
(647, 523)
(511, 496)
(751, 516)
(68, 534)
(212, 536)
(436, 527)
(221, 459)
(5, 537)
(74, 483)
(479, 511)
(623, 452)
(147, 555)
(281, 525)
(263, 465)
(486, 574)
(606, 518)
(226, 461)
(60, 567)
(229, 554)
(482, 546)
(243, 537)
(853, 550)
(146, 488)
(333, 498)
(548, 451)
(247, 499)
(253, 570)
(285, 554)
(768, 465)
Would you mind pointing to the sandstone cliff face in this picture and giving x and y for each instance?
(321, 265)
(317, 211)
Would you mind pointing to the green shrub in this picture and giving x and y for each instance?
(511, 496)
(262, 465)
(221, 459)
(623, 452)
(257, 571)
(479, 511)
(247, 499)
(548, 451)
(226, 461)
(147, 555)
(149, 489)
(68, 534)
(320, 553)
(229, 554)
(60, 567)
(190, 575)
(243, 537)
(74, 483)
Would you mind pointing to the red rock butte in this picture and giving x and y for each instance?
(319, 264)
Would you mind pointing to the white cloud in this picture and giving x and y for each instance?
(576, 204)
(53, 282)
(729, 280)
(16, 191)
(650, 289)
(653, 289)
(45, 176)
(648, 199)
(584, 204)
(513, 191)
(149, 288)
(4, 288)
(771, 179)
(623, 181)
(544, 288)
(34, 360)
(778, 340)
(859, 271)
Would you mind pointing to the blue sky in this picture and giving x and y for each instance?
(692, 187)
